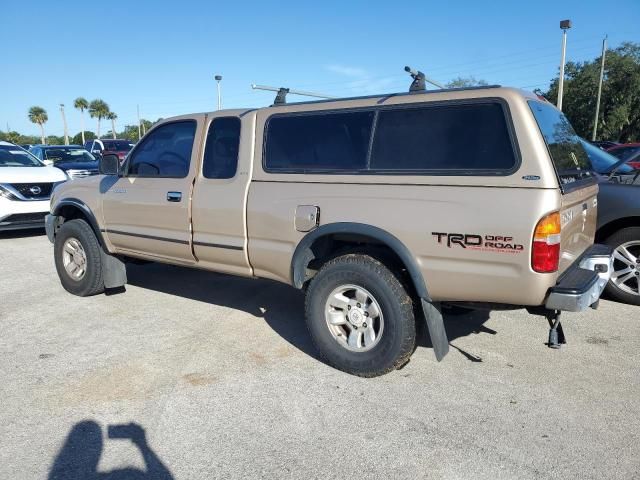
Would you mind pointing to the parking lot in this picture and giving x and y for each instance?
(221, 375)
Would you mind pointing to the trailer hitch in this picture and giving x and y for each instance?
(556, 334)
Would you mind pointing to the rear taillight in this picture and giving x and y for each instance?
(545, 254)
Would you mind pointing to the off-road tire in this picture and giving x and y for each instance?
(624, 235)
(92, 282)
(398, 338)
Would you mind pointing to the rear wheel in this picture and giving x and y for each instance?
(360, 317)
(78, 260)
(624, 285)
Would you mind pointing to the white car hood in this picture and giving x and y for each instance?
(31, 175)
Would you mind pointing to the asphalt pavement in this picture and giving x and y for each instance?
(193, 375)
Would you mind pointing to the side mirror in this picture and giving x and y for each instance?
(109, 164)
(48, 163)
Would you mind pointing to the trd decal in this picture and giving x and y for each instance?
(488, 243)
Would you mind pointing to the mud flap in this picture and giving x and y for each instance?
(435, 325)
(114, 271)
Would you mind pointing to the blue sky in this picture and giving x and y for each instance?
(162, 55)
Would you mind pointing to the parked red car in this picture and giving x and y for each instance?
(627, 151)
(108, 145)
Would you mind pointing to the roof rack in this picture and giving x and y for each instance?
(418, 85)
(419, 80)
(386, 96)
(281, 96)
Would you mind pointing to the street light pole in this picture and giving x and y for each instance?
(564, 25)
(218, 80)
(595, 121)
(64, 123)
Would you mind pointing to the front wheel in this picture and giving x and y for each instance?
(360, 317)
(77, 257)
(624, 285)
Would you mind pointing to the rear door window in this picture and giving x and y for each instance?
(567, 153)
(221, 150)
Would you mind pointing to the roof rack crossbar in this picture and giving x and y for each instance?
(281, 95)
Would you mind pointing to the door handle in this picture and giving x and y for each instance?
(174, 196)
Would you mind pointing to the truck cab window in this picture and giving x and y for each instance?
(165, 152)
(221, 150)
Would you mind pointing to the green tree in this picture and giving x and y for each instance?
(55, 140)
(39, 116)
(98, 109)
(112, 116)
(13, 137)
(87, 136)
(620, 104)
(461, 82)
(81, 104)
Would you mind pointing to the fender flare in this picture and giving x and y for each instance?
(114, 269)
(432, 313)
(80, 205)
(303, 254)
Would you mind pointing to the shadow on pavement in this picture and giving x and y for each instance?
(460, 324)
(79, 456)
(280, 305)
(30, 232)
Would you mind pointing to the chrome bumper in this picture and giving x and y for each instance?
(582, 284)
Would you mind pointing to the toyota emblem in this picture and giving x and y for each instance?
(36, 190)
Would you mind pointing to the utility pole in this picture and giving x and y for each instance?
(595, 121)
(64, 122)
(138, 109)
(218, 79)
(564, 25)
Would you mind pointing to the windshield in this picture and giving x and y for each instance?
(118, 145)
(76, 154)
(564, 145)
(12, 156)
(603, 162)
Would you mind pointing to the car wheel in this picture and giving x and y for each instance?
(77, 259)
(360, 317)
(624, 285)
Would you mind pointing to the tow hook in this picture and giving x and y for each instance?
(556, 334)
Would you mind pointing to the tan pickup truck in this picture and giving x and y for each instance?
(382, 208)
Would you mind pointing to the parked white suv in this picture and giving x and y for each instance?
(25, 188)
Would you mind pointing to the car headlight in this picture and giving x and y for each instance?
(5, 193)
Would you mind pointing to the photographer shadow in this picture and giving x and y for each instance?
(79, 457)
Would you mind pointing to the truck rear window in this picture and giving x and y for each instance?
(567, 153)
(428, 139)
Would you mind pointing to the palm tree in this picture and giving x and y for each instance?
(81, 104)
(112, 116)
(98, 109)
(39, 115)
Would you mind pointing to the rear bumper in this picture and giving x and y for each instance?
(582, 284)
